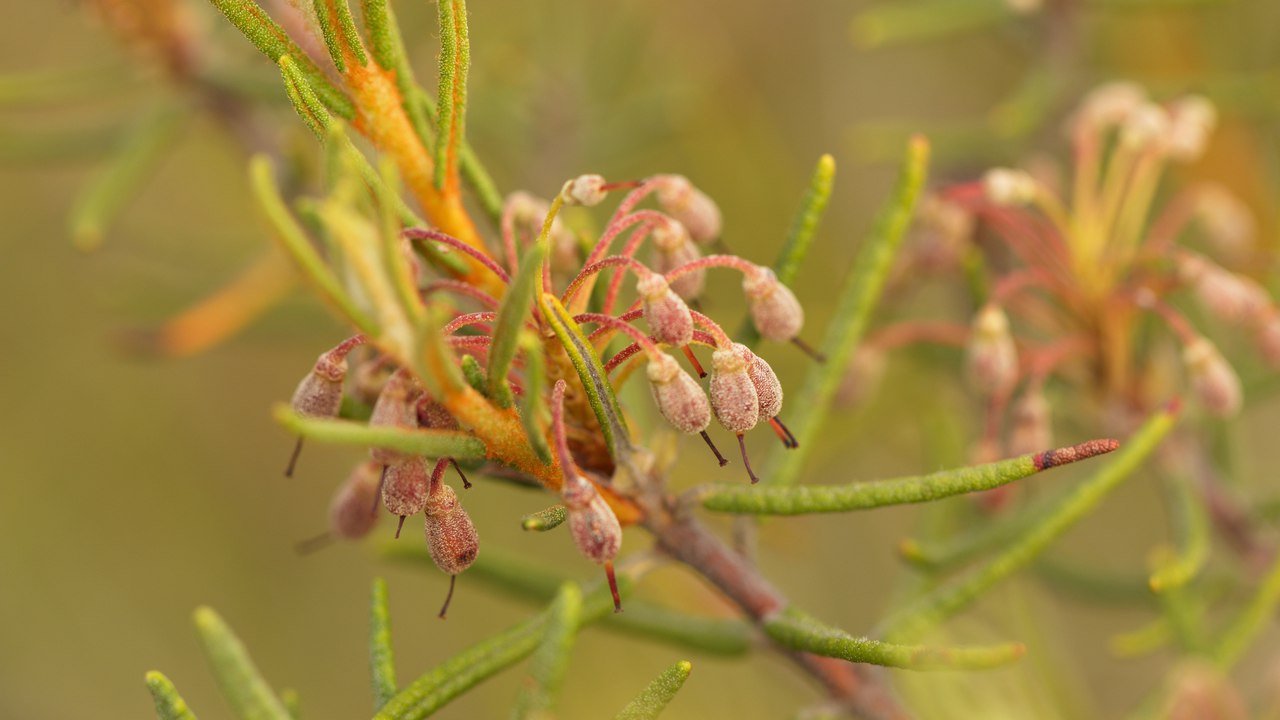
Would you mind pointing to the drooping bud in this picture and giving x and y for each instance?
(451, 536)
(405, 488)
(1147, 126)
(1192, 120)
(585, 190)
(1031, 428)
(939, 235)
(775, 311)
(1006, 186)
(433, 415)
(672, 248)
(593, 526)
(1227, 222)
(668, 316)
(1107, 105)
(319, 394)
(396, 407)
(1234, 298)
(1268, 338)
(679, 397)
(692, 207)
(768, 393)
(354, 509)
(1212, 378)
(992, 356)
(733, 398)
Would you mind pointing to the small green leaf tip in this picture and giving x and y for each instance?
(382, 668)
(586, 361)
(451, 103)
(249, 696)
(651, 701)
(858, 299)
(540, 694)
(544, 520)
(169, 704)
(1192, 523)
(799, 631)
(433, 443)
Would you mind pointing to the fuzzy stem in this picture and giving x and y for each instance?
(421, 234)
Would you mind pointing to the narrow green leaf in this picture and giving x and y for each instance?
(473, 171)
(250, 697)
(1192, 525)
(169, 704)
(292, 703)
(388, 50)
(303, 96)
(921, 20)
(394, 249)
(275, 43)
(451, 103)
(858, 299)
(432, 443)
(540, 694)
(1245, 629)
(898, 491)
(512, 315)
(590, 370)
(295, 242)
(439, 369)
(534, 413)
(463, 671)
(522, 580)
(382, 667)
(1089, 584)
(544, 520)
(797, 630)
(100, 201)
(330, 34)
(476, 376)
(923, 613)
(651, 701)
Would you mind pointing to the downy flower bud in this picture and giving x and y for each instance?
(1193, 119)
(1226, 221)
(1108, 105)
(672, 248)
(593, 526)
(733, 396)
(992, 356)
(1006, 186)
(1148, 126)
(405, 487)
(396, 407)
(764, 380)
(585, 190)
(1234, 298)
(1032, 427)
(1212, 378)
(692, 207)
(433, 415)
(320, 392)
(679, 397)
(668, 316)
(451, 536)
(939, 235)
(354, 509)
(775, 311)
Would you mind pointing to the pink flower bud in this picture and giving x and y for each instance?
(584, 190)
(406, 486)
(594, 527)
(775, 311)
(1005, 186)
(451, 536)
(939, 236)
(1226, 221)
(433, 415)
(1148, 126)
(1268, 338)
(992, 356)
(353, 511)
(1212, 378)
(679, 397)
(320, 392)
(692, 207)
(1193, 119)
(764, 380)
(668, 316)
(396, 407)
(672, 248)
(1233, 298)
(1108, 105)
(733, 396)
(1032, 427)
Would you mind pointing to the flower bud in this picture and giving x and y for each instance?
(451, 536)
(593, 526)
(679, 397)
(405, 487)
(764, 380)
(1107, 105)
(320, 392)
(672, 248)
(692, 207)
(1148, 126)
(1032, 427)
(433, 415)
(992, 356)
(733, 396)
(1231, 297)
(939, 235)
(1226, 221)
(668, 316)
(1212, 378)
(396, 407)
(585, 190)
(1005, 186)
(775, 311)
(1193, 119)
(354, 509)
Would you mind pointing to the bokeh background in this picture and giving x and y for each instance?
(135, 489)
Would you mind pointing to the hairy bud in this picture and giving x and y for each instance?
(992, 356)
(1193, 119)
(584, 190)
(433, 415)
(692, 207)
(672, 248)
(1212, 378)
(396, 407)
(1231, 297)
(451, 536)
(775, 311)
(594, 527)
(406, 486)
(939, 234)
(320, 392)
(1148, 126)
(1032, 427)
(1005, 186)
(733, 396)
(679, 397)
(1108, 105)
(354, 509)
(764, 380)
(668, 316)
(1226, 221)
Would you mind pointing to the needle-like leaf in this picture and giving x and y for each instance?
(651, 701)
(250, 697)
(169, 704)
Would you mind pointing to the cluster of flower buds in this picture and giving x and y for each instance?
(992, 355)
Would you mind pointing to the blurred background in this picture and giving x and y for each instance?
(136, 488)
